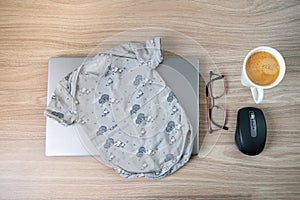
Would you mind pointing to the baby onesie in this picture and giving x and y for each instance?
(120, 103)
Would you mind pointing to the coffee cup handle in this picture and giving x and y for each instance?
(258, 94)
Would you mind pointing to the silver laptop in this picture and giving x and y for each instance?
(179, 74)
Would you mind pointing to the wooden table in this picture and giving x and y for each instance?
(32, 31)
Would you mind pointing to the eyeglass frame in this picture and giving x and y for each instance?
(210, 102)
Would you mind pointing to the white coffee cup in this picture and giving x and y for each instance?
(258, 90)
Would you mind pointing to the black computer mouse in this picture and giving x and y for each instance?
(251, 131)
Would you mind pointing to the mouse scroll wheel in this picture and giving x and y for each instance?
(253, 128)
(252, 115)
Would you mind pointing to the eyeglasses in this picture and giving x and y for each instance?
(216, 114)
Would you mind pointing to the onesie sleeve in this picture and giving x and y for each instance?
(148, 53)
(62, 107)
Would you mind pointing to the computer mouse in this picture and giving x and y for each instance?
(251, 131)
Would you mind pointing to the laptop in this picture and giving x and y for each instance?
(181, 75)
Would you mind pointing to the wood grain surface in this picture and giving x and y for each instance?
(33, 31)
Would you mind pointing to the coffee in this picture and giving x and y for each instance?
(262, 68)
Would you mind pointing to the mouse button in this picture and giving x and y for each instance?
(244, 127)
(261, 126)
(243, 118)
(243, 111)
(260, 115)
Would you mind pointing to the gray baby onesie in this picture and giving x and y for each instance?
(122, 105)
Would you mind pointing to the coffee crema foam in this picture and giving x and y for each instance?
(262, 68)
